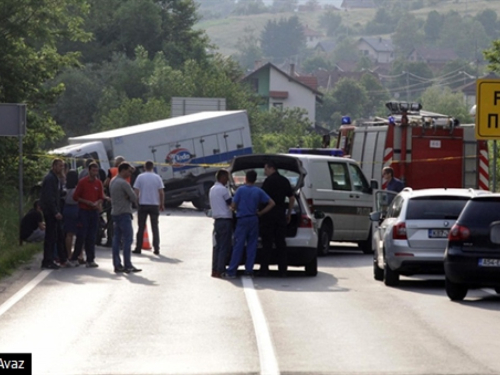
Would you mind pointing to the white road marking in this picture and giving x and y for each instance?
(25, 290)
(267, 357)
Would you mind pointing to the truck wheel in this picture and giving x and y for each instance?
(391, 278)
(312, 267)
(455, 292)
(366, 245)
(324, 236)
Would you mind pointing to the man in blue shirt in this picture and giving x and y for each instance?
(393, 183)
(246, 202)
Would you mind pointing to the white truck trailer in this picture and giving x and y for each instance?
(187, 150)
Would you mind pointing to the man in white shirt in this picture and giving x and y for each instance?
(149, 189)
(220, 202)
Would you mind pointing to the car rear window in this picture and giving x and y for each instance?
(435, 208)
(481, 213)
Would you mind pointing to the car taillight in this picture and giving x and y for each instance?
(310, 205)
(399, 231)
(458, 233)
(305, 222)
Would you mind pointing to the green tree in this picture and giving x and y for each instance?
(120, 26)
(248, 48)
(443, 100)
(407, 35)
(282, 6)
(29, 33)
(316, 62)
(248, 7)
(330, 21)
(346, 50)
(489, 19)
(278, 130)
(492, 55)
(432, 26)
(412, 79)
(376, 94)
(283, 39)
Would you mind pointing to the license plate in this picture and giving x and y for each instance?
(438, 233)
(485, 262)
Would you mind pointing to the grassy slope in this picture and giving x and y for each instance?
(225, 32)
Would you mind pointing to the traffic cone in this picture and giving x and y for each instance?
(146, 245)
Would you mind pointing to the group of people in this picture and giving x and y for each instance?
(257, 210)
(70, 204)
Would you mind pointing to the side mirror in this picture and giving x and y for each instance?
(375, 216)
(374, 184)
(319, 214)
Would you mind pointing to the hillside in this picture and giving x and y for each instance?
(225, 32)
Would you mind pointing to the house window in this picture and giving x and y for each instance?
(255, 84)
(278, 105)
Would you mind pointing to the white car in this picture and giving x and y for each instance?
(302, 232)
(412, 231)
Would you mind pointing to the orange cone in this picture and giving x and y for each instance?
(146, 245)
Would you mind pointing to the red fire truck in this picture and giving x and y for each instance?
(425, 149)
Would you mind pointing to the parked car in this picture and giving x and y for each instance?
(412, 231)
(472, 257)
(302, 232)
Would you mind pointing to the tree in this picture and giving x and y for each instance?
(492, 55)
(330, 21)
(443, 100)
(376, 94)
(432, 27)
(407, 35)
(412, 78)
(248, 7)
(283, 39)
(29, 33)
(282, 6)
(120, 26)
(348, 98)
(249, 49)
(316, 62)
(278, 130)
(346, 50)
(488, 18)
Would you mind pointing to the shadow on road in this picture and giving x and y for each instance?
(296, 281)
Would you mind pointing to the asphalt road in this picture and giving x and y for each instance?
(173, 318)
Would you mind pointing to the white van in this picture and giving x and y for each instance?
(338, 187)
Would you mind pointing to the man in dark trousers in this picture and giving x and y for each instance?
(273, 224)
(50, 201)
(89, 194)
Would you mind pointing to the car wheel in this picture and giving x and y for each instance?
(456, 292)
(391, 278)
(312, 267)
(378, 273)
(325, 233)
(366, 246)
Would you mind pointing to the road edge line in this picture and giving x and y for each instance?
(4, 307)
(267, 356)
